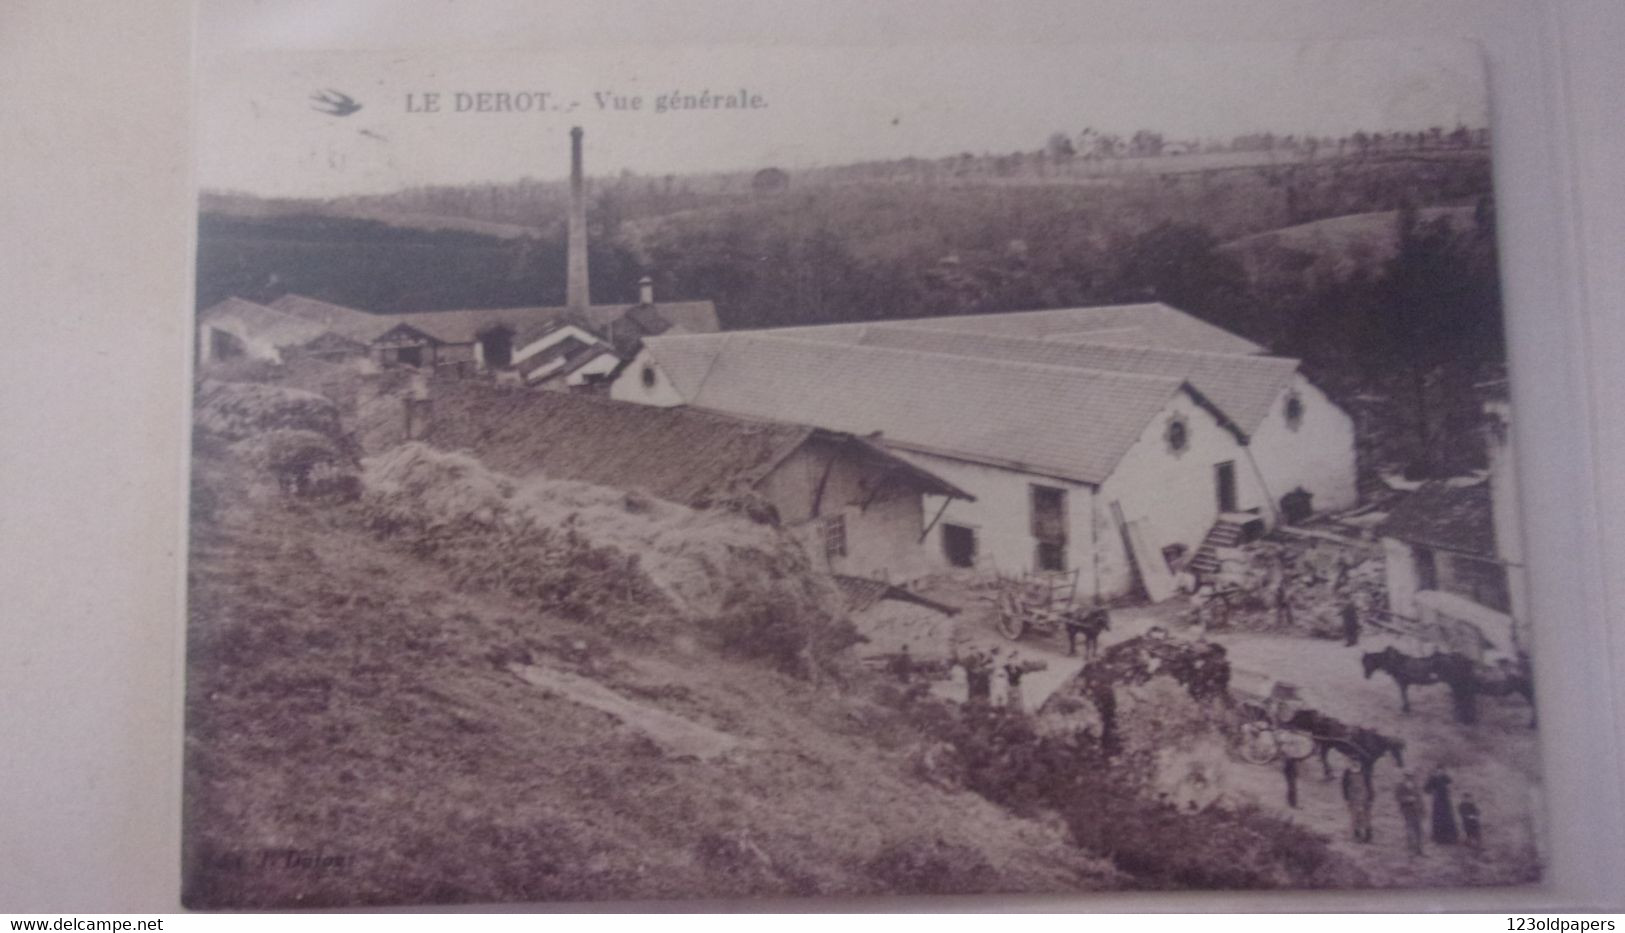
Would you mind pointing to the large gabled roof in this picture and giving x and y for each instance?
(350, 323)
(262, 322)
(1446, 516)
(681, 455)
(1160, 326)
(1152, 324)
(1244, 387)
(1056, 421)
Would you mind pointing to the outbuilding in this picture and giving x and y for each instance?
(857, 507)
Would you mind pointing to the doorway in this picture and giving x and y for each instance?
(496, 347)
(959, 545)
(1224, 477)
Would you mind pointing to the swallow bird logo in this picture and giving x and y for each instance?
(333, 103)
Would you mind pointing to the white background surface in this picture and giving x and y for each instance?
(96, 222)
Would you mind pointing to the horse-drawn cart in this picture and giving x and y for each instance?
(1265, 707)
(1046, 603)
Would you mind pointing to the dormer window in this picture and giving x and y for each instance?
(1177, 435)
(1294, 410)
(648, 376)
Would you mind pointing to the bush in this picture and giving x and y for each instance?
(1217, 847)
(303, 462)
(922, 866)
(772, 625)
(1107, 791)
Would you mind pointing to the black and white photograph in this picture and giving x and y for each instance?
(817, 471)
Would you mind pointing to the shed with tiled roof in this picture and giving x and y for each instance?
(857, 506)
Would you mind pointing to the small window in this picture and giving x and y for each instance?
(835, 536)
(1427, 569)
(648, 376)
(1048, 518)
(1294, 410)
(1177, 435)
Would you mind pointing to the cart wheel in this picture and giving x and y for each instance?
(1295, 744)
(1012, 626)
(1258, 745)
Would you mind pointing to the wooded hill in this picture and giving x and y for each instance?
(1406, 308)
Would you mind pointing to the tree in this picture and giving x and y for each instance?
(1438, 320)
(1060, 147)
(1180, 264)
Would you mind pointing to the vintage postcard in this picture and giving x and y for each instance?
(830, 471)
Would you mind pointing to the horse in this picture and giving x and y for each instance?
(1090, 624)
(1325, 730)
(1368, 746)
(1453, 670)
(1364, 746)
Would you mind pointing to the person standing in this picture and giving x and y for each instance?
(1357, 795)
(1283, 604)
(1444, 816)
(1469, 822)
(1013, 672)
(978, 678)
(1351, 624)
(1410, 808)
(1289, 769)
(901, 665)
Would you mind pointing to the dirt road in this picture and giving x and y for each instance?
(1497, 760)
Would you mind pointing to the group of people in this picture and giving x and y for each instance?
(1348, 614)
(1359, 797)
(1444, 817)
(1211, 604)
(980, 670)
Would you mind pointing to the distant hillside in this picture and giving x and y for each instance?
(250, 207)
(1337, 246)
(392, 264)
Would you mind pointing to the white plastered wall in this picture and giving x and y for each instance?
(1173, 495)
(253, 347)
(1317, 455)
(631, 386)
(1001, 516)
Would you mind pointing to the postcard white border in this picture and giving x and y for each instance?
(93, 388)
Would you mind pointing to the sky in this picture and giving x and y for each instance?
(260, 131)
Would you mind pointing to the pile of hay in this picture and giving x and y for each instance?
(600, 554)
(290, 435)
(234, 411)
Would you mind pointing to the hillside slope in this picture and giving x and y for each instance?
(361, 731)
(1336, 246)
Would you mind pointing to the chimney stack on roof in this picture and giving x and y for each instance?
(646, 291)
(576, 297)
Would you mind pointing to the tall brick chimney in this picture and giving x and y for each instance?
(576, 297)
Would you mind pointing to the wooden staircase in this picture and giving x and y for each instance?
(1229, 531)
